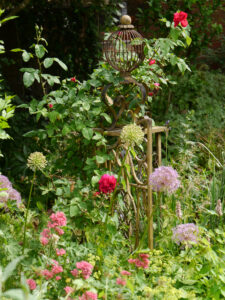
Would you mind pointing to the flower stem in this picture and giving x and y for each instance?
(27, 210)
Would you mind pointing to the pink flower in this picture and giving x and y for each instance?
(85, 267)
(107, 184)
(46, 233)
(58, 219)
(47, 274)
(74, 272)
(144, 256)
(126, 273)
(68, 289)
(143, 262)
(88, 296)
(50, 105)
(121, 281)
(156, 84)
(164, 179)
(73, 79)
(44, 241)
(59, 231)
(56, 269)
(96, 194)
(180, 17)
(32, 284)
(151, 62)
(60, 252)
(58, 278)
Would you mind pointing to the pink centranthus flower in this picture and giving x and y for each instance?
(58, 219)
(47, 274)
(141, 262)
(125, 273)
(180, 17)
(186, 234)
(164, 179)
(107, 184)
(73, 79)
(121, 281)
(46, 233)
(58, 278)
(89, 296)
(59, 230)
(44, 241)
(156, 84)
(60, 252)
(85, 267)
(74, 272)
(151, 62)
(68, 289)
(56, 269)
(32, 284)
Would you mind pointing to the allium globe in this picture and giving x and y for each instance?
(164, 179)
(36, 161)
(107, 184)
(132, 134)
(186, 234)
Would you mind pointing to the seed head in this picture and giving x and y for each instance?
(132, 134)
(36, 161)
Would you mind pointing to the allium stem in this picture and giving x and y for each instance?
(27, 211)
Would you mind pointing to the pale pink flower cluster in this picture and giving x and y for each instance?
(164, 179)
(56, 269)
(141, 262)
(32, 284)
(10, 192)
(68, 289)
(60, 252)
(57, 220)
(89, 296)
(121, 281)
(85, 267)
(125, 273)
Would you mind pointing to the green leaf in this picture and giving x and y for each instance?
(48, 62)
(87, 133)
(188, 40)
(14, 294)
(40, 50)
(26, 56)
(10, 268)
(74, 211)
(107, 117)
(62, 65)
(28, 79)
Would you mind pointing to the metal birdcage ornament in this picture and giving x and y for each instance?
(124, 49)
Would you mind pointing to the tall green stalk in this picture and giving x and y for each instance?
(27, 211)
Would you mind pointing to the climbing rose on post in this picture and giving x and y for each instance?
(107, 184)
(180, 17)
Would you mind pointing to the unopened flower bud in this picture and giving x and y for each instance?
(178, 210)
(219, 208)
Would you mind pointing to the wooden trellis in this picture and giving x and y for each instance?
(145, 165)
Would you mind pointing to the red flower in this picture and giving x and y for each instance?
(73, 79)
(180, 17)
(150, 94)
(50, 105)
(151, 62)
(107, 184)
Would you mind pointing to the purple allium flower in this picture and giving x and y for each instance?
(185, 233)
(9, 192)
(164, 179)
(4, 182)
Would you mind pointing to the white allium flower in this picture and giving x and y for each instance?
(36, 161)
(132, 134)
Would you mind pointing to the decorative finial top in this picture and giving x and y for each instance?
(125, 20)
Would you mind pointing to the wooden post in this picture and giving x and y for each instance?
(150, 204)
(159, 148)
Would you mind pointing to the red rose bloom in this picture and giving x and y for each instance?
(180, 17)
(50, 105)
(151, 62)
(107, 184)
(73, 79)
(150, 94)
